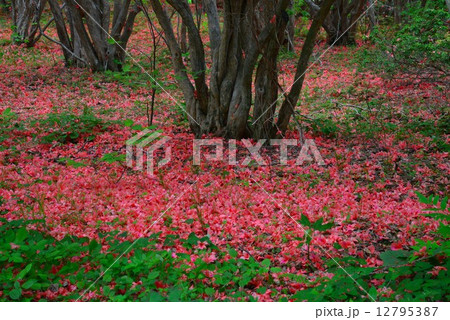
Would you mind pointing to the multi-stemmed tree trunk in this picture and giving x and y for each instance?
(341, 23)
(94, 33)
(26, 15)
(244, 71)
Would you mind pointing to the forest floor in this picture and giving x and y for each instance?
(221, 232)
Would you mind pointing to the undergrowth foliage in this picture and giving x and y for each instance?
(418, 274)
(418, 48)
(70, 206)
(35, 266)
(61, 270)
(70, 128)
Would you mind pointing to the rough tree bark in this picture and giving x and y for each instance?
(372, 15)
(290, 30)
(84, 26)
(341, 23)
(398, 8)
(288, 106)
(26, 15)
(244, 55)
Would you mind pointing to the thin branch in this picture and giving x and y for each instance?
(61, 44)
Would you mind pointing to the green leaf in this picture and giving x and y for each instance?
(323, 227)
(15, 294)
(24, 271)
(174, 295)
(444, 231)
(414, 285)
(153, 275)
(422, 198)
(106, 290)
(317, 223)
(72, 163)
(304, 221)
(373, 292)
(444, 203)
(94, 247)
(244, 280)
(155, 297)
(113, 157)
(436, 200)
(9, 236)
(394, 258)
(128, 122)
(261, 290)
(21, 235)
(192, 239)
(29, 284)
(210, 291)
(438, 216)
(265, 263)
(137, 127)
(6, 112)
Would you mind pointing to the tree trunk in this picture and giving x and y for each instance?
(266, 79)
(398, 8)
(183, 38)
(26, 15)
(372, 16)
(288, 106)
(356, 13)
(92, 34)
(244, 55)
(290, 30)
(341, 24)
